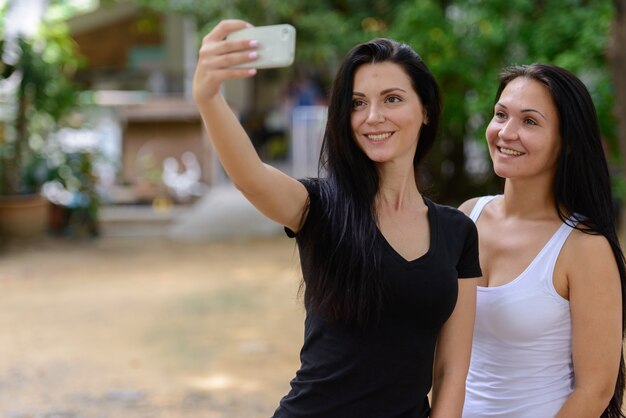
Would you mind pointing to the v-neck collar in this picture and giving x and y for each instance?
(432, 226)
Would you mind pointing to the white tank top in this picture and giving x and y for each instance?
(521, 364)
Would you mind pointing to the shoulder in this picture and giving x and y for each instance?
(443, 210)
(592, 276)
(467, 206)
(588, 256)
(459, 237)
(580, 243)
(316, 195)
(447, 212)
(319, 190)
(451, 219)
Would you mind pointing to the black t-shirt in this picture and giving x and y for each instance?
(385, 371)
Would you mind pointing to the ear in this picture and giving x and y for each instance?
(425, 116)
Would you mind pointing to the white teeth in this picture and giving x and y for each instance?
(508, 151)
(379, 137)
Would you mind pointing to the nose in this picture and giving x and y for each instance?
(508, 131)
(375, 115)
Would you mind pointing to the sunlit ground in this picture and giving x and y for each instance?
(148, 328)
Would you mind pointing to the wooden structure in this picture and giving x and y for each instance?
(143, 61)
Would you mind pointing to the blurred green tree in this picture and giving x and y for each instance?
(617, 55)
(43, 65)
(467, 42)
(464, 42)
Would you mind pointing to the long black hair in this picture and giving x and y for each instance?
(341, 270)
(582, 182)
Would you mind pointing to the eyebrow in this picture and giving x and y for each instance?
(524, 110)
(382, 93)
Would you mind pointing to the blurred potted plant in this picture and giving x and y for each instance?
(37, 91)
(72, 189)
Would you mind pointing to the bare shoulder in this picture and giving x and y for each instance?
(589, 257)
(585, 245)
(467, 206)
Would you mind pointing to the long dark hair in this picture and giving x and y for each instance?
(582, 182)
(342, 278)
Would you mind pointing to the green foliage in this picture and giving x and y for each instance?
(73, 177)
(464, 42)
(45, 93)
(327, 29)
(46, 68)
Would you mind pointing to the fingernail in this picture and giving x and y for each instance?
(249, 25)
(254, 43)
(252, 71)
(253, 55)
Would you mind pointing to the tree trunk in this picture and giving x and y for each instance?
(617, 59)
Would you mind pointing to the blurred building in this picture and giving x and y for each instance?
(140, 64)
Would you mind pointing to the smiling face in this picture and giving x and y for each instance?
(523, 136)
(387, 113)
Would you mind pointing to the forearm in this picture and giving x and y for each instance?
(452, 356)
(448, 395)
(232, 144)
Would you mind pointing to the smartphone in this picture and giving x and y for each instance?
(277, 45)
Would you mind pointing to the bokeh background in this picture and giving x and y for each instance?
(134, 279)
(96, 106)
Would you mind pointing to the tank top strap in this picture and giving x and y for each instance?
(480, 204)
(560, 236)
(542, 267)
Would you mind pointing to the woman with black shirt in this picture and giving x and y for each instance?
(387, 318)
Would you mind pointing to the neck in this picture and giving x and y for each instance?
(529, 199)
(398, 189)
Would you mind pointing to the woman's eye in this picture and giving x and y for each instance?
(500, 115)
(356, 103)
(393, 99)
(530, 122)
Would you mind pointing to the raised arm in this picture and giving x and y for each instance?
(278, 196)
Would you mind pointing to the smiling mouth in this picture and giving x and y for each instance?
(379, 137)
(508, 151)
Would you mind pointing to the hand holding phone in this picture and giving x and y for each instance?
(276, 48)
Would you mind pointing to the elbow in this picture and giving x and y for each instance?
(600, 394)
(605, 394)
(606, 390)
(451, 376)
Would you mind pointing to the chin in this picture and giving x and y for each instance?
(377, 157)
(501, 172)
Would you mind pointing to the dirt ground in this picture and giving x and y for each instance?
(133, 327)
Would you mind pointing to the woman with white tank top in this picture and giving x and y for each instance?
(549, 320)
